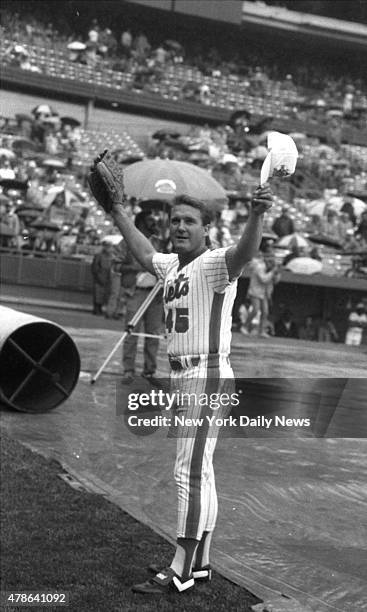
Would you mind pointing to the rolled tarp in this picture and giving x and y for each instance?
(39, 362)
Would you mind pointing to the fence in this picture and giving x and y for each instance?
(41, 270)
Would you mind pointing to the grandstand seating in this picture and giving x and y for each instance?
(229, 92)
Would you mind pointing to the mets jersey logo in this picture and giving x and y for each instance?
(176, 288)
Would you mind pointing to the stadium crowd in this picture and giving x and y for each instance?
(319, 222)
(44, 158)
(127, 59)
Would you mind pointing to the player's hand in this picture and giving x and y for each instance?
(262, 200)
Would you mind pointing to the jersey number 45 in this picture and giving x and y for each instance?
(177, 319)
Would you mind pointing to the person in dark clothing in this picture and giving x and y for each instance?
(285, 327)
(101, 266)
(283, 225)
(362, 228)
(138, 284)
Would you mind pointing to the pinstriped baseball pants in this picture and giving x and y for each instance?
(194, 472)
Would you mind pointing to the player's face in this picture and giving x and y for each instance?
(188, 234)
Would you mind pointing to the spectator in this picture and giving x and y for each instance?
(357, 323)
(139, 283)
(331, 224)
(161, 55)
(348, 208)
(288, 85)
(115, 306)
(220, 235)
(261, 285)
(101, 266)
(243, 314)
(361, 231)
(309, 330)
(258, 80)
(6, 170)
(327, 331)
(345, 226)
(141, 46)
(204, 94)
(283, 225)
(314, 225)
(314, 254)
(126, 42)
(285, 327)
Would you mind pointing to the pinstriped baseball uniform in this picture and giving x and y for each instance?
(198, 301)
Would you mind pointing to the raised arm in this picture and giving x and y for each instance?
(106, 181)
(139, 245)
(238, 255)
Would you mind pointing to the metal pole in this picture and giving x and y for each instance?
(130, 326)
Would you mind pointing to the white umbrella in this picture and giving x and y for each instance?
(76, 46)
(7, 153)
(20, 49)
(44, 109)
(304, 265)
(113, 239)
(298, 135)
(293, 240)
(358, 205)
(316, 207)
(319, 207)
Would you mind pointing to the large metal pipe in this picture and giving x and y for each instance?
(39, 362)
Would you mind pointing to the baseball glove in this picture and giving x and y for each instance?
(106, 181)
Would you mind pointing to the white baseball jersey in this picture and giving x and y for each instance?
(198, 301)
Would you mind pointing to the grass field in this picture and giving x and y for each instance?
(54, 537)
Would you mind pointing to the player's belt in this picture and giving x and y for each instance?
(184, 363)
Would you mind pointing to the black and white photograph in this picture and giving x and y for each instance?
(183, 305)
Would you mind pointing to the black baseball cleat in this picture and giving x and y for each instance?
(165, 581)
(202, 574)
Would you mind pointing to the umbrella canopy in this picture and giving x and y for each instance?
(43, 109)
(7, 153)
(362, 195)
(46, 225)
(70, 121)
(113, 239)
(269, 236)
(14, 184)
(28, 213)
(298, 135)
(304, 265)
(293, 240)
(76, 45)
(29, 206)
(163, 179)
(317, 207)
(326, 240)
(20, 49)
(173, 44)
(65, 196)
(54, 163)
(358, 206)
(165, 133)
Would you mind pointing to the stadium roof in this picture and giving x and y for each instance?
(282, 19)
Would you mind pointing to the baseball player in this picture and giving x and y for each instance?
(199, 291)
